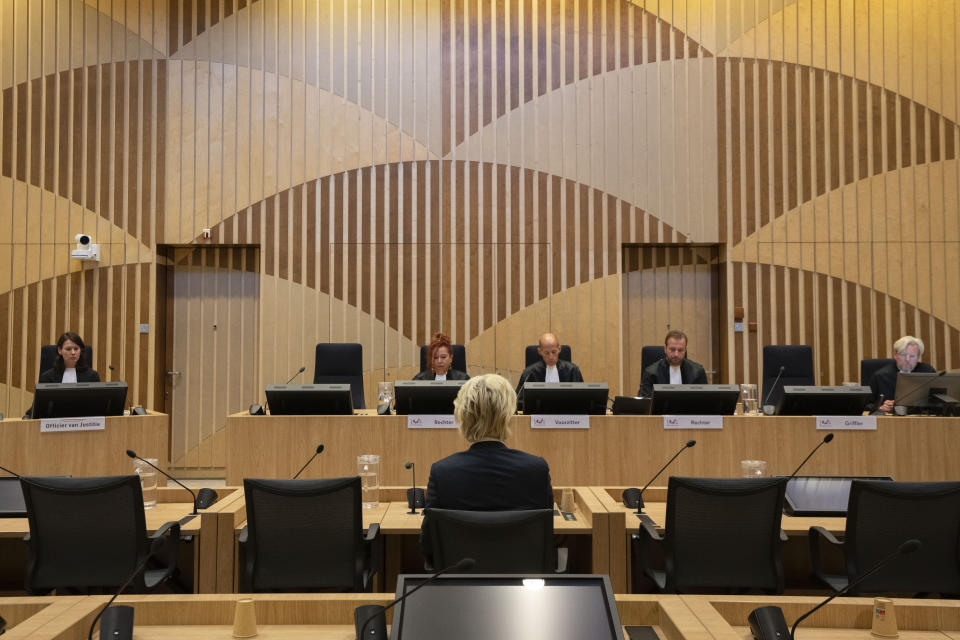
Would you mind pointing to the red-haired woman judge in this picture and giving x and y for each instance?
(440, 360)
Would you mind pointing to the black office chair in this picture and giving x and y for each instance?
(459, 358)
(881, 515)
(499, 541)
(869, 366)
(341, 363)
(797, 363)
(531, 355)
(89, 534)
(651, 354)
(48, 355)
(721, 533)
(307, 535)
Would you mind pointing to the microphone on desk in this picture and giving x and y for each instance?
(371, 611)
(206, 498)
(118, 621)
(827, 438)
(768, 408)
(318, 452)
(768, 623)
(523, 380)
(14, 474)
(415, 497)
(634, 497)
(260, 409)
(134, 411)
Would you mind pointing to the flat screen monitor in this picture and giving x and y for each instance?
(927, 390)
(821, 495)
(823, 401)
(571, 398)
(630, 405)
(694, 399)
(11, 498)
(309, 399)
(507, 607)
(426, 397)
(79, 399)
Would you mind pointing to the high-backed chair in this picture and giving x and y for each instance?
(531, 355)
(881, 515)
(797, 363)
(459, 358)
(48, 355)
(651, 354)
(89, 534)
(307, 535)
(498, 541)
(869, 366)
(721, 534)
(341, 363)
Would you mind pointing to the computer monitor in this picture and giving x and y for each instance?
(425, 397)
(571, 398)
(694, 399)
(823, 401)
(507, 607)
(309, 399)
(927, 390)
(79, 399)
(11, 498)
(810, 496)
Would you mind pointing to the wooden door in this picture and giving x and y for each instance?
(671, 287)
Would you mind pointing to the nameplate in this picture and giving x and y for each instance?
(559, 421)
(850, 423)
(59, 425)
(431, 421)
(693, 422)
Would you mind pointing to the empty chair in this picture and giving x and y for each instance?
(307, 535)
(797, 363)
(499, 541)
(532, 355)
(651, 354)
(721, 534)
(881, 515)
(459, 358)
(869, 366)
(89, 534)
(341, 363)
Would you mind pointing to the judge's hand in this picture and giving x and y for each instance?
(887, 406)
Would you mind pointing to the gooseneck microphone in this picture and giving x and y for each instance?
(259, 409)
(318, 452)
(371, 611)
(768, 408)
(827, 438)
(768, 623)
(15, 475)
(629, 495)
(414, 496)
(133, 454)
(523, 380)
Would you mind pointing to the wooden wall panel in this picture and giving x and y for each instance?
(410, 166)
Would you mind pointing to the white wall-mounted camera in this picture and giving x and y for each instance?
(86, 249)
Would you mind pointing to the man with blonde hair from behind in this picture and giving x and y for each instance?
(489, 476)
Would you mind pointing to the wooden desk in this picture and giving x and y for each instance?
(623, 522)
(85, 453)
(323, 616)
(173, 504)
(843, 619)
(615, 451)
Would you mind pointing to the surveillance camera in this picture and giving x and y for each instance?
(83, 240)
(86, 249)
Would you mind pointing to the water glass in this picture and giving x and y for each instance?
(368, 468)
(384, 396)
(748, 396)
(753, 468)
(148, 481)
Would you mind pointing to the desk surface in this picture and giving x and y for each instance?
(156, 517)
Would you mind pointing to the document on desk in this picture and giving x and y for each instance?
(559, 421)
(850, 423)
(59, 425)
(430, 421)
(693, 422)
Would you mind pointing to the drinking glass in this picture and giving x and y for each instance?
(368, 468)
(384, 396)
(753, 468)
(148, 481)
(748, 396)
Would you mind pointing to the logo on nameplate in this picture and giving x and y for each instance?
(693, 422)
(431, 421)
(850, 423)
(560, 421)
(60, 425)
